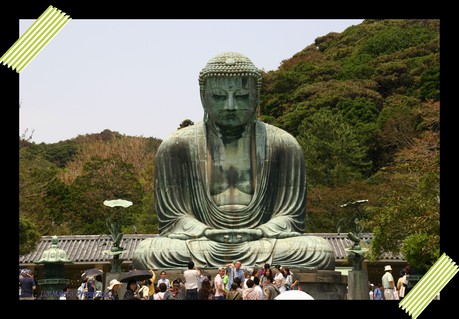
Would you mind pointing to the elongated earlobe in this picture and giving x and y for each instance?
(255, 114)
(206, 115)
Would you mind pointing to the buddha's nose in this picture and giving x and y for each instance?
(230, 103)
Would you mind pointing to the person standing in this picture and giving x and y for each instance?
(151, 292)
(113, 290)
(268, 271)
(270, 290)
(406, 284)
(288, 280)
(205, 293)
(233, 294)
(220, 293)
(182, 289)
(27, 285)
(371, 292)
(145, 289)
(400, 284)
(258, 289)
(160, 295)
(98, 287)
(250, 293)
(263, 270)
(131, 289)
(279, 279)
(191, 276)
(388, 283)
(235, 270)
(200, 279)
(164, 280)
(378, 292)
(81, 292)
(174, 293)
(225, 280)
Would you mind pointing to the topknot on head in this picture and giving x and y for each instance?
(229, 64)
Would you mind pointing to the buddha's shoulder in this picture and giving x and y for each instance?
(182, 137)
(278, 135)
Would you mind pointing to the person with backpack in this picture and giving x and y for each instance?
(270, 290)
(233, 294)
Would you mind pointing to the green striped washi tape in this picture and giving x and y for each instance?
(430, 284)
(35, 39)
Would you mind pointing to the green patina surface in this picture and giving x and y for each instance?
(230, 187)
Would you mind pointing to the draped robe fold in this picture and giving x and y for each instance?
(185, 207)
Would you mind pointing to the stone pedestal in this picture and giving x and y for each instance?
(116, 264)
(322, 284)
(358, 285)
(109, 276)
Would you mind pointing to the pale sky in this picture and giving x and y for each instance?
(140, 77)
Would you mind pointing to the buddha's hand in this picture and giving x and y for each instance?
(179, 236)
(232, 236)
(288, 234)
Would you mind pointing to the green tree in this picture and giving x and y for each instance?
(35, 176)
(102, 179)
(333, 154)
(185, 123)
(28, 236)
(409, 220)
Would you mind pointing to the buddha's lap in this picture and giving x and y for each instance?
(302, 251)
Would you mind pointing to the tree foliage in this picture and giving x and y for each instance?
(331, 149)
(69, 200)
(375, 88)
(185, 123)
(102, 179)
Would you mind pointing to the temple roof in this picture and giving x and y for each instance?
(84, 248)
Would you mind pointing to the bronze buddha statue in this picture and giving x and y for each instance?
(231, 187)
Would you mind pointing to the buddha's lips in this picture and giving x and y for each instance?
(233, 113)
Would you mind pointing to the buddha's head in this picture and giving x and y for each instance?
(230, 89)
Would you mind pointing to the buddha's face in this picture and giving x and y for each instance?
(230, 102)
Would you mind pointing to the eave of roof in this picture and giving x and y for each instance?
(85, 248)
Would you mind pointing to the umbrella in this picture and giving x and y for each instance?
(137, 275)
(294, 294)
(91, 272)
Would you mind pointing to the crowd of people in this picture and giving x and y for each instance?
(388, 290)
(233, 282)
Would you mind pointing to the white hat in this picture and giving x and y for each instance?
(387, 268)
(112, 283)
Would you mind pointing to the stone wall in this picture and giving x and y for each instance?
(322, 284)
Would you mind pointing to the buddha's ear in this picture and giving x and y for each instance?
(255, 114)
(206, 116)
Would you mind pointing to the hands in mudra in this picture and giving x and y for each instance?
(232, 236)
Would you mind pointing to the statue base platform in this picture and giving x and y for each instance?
(320, 284)
(358, 285)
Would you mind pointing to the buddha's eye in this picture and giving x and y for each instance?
(242, 93)
(218, 94)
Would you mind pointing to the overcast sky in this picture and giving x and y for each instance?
(140, 77)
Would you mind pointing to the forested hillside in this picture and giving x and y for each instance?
(363, 104)
(62, 186)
